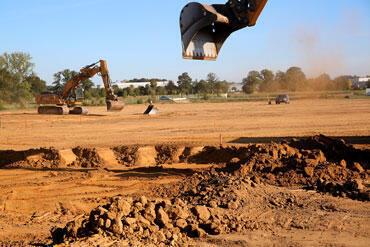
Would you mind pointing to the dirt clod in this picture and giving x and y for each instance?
(87, 158)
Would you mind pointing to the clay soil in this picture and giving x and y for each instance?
(59, 169)
(197, 124)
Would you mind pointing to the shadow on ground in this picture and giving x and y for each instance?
(258, 140)
(36, 114)
(142, 172)
(148, 172)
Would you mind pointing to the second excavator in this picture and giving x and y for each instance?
(70, 100)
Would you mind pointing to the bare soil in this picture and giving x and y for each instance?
(195, 124)
(58, 171)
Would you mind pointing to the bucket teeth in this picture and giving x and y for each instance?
(203, 31)
(205, 28)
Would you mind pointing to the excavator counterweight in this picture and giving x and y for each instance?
(205, 28)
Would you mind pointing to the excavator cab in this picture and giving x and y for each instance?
(79, 94)
(205, 28)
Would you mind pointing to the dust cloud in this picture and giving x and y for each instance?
(322, 48)
(318, 55)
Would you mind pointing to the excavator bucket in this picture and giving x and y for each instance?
(203, 31)
(114, 106)
(151, 110)
(205, 28)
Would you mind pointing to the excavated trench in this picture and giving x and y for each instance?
(315, 162)
(210, 201)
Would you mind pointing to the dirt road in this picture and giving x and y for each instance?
(196, 124)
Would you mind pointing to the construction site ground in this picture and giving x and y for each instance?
(84, 161)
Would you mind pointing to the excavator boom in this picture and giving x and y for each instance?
(113, 104)
(205, 28)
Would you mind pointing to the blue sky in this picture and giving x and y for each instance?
(142, 38)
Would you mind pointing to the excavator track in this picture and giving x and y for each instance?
(78, 110)
(53, 110)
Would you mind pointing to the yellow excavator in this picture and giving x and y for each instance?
(70, 101)
(205, 28)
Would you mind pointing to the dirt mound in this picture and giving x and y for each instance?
(171, 221)
(216, 155)
(205, 204)
(294, 163)
(86, 158)
(168, 154)
(126, 155)
(33, 158)
(239, 197)
(334, 150)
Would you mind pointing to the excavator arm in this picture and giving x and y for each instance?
(205, 28)
(85, 73)
(113, 104)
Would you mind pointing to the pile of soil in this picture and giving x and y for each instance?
(32, 158)
(317, 162)
(239, 197)
(214, 206)
(218, 155)
(167, 154)
(86, 158)
(126, 155)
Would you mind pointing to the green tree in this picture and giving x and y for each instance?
(14, 69)
(161, 91)
(251, 82)
(221, 87)
(267, 77)
(185, 83)
(212, 80)
(202, 87)
(12, 90)
(153, 83)
(279, 78)
(87, 85)
(37, 85)
(17, 63)
(171, 87)
(294, 79)
(8, 86)
(62, 77)
(342, 83)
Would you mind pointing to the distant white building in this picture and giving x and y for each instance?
(360, 82)
(126, 84)
(236, 87)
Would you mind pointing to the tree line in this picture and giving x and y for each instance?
(294, 79)
(19, 83)
(185, 85)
